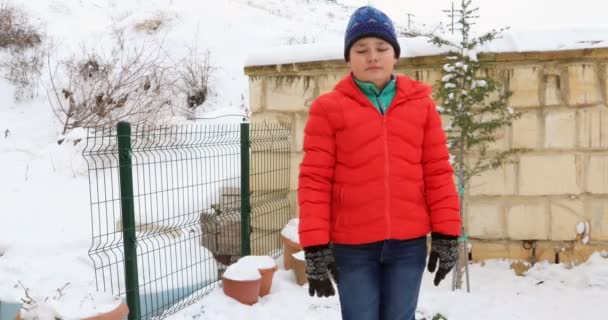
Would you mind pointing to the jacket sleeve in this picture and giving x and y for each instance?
(440, 191)
(316, 178)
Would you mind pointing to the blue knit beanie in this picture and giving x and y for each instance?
(370, 22)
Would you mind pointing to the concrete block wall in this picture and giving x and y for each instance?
(561, 181)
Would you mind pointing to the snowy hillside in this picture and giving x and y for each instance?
(45, 221)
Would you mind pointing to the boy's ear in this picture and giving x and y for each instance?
(348, 63)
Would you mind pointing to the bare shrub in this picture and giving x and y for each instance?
(22, 62)
(16, 31)
(131, 83)
(23, 69)
(194, 79)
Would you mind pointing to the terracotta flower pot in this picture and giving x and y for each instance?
(266, 281)
(243, 291)
(289, 248)
(299, 269)
(118, 313)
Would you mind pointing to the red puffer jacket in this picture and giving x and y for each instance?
(369, 177)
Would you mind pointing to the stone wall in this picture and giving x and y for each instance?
(561, 181)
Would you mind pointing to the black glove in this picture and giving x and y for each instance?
(445, 249)
(320, 263)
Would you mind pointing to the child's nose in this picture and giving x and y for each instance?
(373, 56)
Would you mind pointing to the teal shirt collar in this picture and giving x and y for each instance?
(380, 99)
(369, 88)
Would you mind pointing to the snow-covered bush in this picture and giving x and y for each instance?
(16, 30)
(22, 56)
(133, 82)
(195, 73)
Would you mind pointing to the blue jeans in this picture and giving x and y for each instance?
(380, 280)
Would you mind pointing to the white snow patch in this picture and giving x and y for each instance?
(258, 262)
(299, 255)
(242, 272)
(290, 230)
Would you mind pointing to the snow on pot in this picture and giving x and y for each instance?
(291, 242)
(299, 267)
(266, 266)
(242, 283)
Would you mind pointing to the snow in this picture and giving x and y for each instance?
(510, 41)
(580, 228)
(45, 215)
(258, 262)
(242, 272)
(299, 255)
(290, 230)
(69, 305)
(546, 291)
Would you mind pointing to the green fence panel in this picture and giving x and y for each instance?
(186, 199)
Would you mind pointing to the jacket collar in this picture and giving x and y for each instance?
(406, 89)
(369, 88)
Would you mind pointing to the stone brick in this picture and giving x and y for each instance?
(560, 129)
(580, 253)
(272, 117)
(526, 131)
(527, 221)
(485, 221)
(428, 76)
(256, 94)
(565, 215)
(289, 93)
(604, 69)
(553, 94)
(299, 125)
(545, 251)
(296, 159)
(524, 83)
(597, 174)
(499, 181)
(270, 170)
(548, 174)
(293, 202)
(327, 82)
(593, 128)
(485, 250)
(264, 242)
(501, 139)
(271, 214)
(598, 219)
(271, 131)
(583, 84)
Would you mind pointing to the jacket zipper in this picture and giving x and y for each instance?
(387, 212)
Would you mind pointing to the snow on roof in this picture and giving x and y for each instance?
(529, 41)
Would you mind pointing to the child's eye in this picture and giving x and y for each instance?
(361, 51)
(382, 49)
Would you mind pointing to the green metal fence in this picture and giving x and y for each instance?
(172, 206)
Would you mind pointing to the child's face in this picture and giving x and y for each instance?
(372, 60)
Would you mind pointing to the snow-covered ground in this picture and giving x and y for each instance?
(45, 220)
(548, 291)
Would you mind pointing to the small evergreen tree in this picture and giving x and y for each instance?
(475, 104)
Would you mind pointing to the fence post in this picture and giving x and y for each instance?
(128, 218)
(245, 201)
